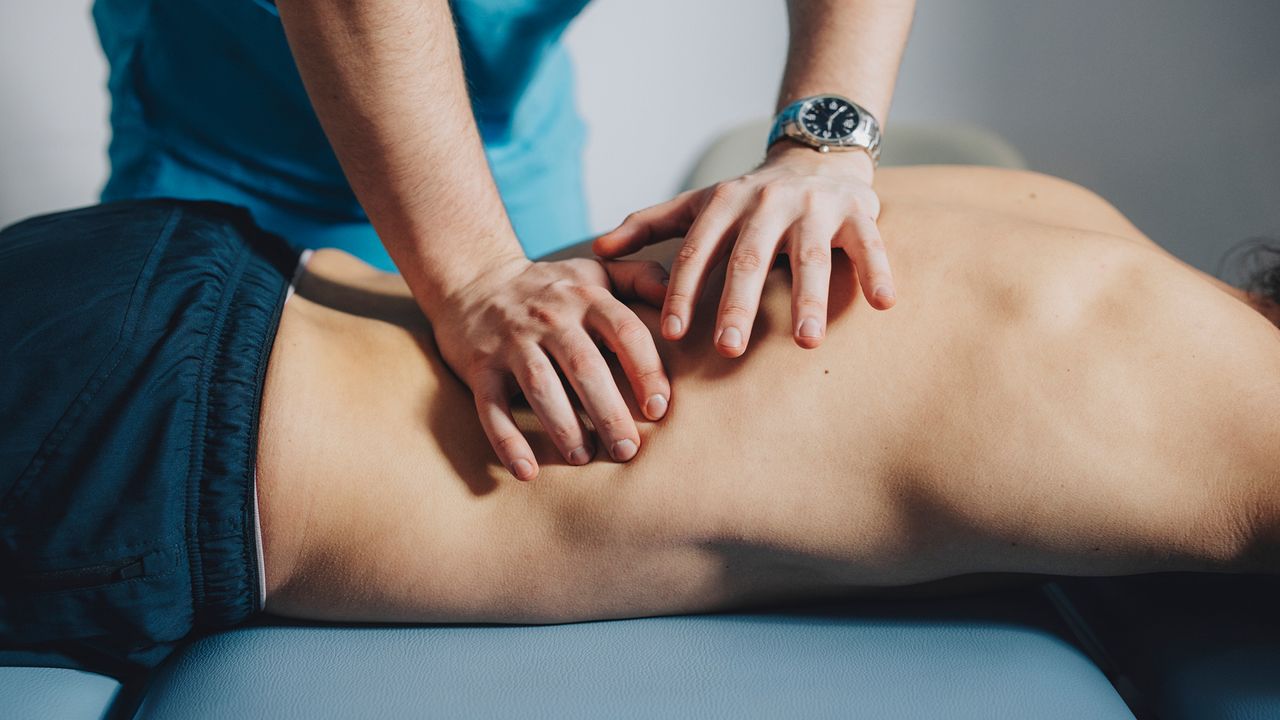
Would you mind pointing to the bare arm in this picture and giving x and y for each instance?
(385, 78)
(846, 46)
(798, 201)
(852, 48)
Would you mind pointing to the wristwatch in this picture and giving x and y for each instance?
(828, 122)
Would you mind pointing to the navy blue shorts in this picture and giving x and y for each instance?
(134, 339)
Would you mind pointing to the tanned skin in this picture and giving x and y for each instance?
(1053, 393)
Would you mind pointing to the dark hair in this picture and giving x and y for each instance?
(1257, 267)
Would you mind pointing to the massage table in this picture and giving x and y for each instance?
(1162, 646)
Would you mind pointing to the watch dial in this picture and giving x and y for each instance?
(829, 119)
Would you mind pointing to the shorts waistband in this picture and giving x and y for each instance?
(223, 545)
(257, 518)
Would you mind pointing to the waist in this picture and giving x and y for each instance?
(414, 416)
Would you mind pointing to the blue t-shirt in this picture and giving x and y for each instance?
(207, 103)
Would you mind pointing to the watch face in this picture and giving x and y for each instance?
(829, 118)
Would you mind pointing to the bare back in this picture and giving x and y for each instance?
(1049, 382)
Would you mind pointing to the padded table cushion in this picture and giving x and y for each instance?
(39, 693)
(887, 660)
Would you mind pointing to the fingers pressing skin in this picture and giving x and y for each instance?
(860, 238)
(745, 274)
(702, 249)
(629, 338)
(810, 254)
(581, 359)
(637, 280)
(502, 331)
(547, 398)
(651, 225)
(810, 204)
(494, 407)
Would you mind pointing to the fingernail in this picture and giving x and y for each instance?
(579, 456)
(655, 406)
(730, 337)
(809, 328)
(671, 325)
(522, 469)
(624, 450)
(883, 291)
(665, 280)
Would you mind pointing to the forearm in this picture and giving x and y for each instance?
(846, 47)
(386, 81)
(849, 47)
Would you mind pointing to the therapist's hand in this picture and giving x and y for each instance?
(799, 202)
(500, 330)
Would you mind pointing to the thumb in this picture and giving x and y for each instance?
(649, 226)
(644, 280)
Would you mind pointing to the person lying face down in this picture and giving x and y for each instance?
(1053, 394)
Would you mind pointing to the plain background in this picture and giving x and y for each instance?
(1169, 108)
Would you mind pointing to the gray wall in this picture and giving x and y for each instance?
(1170, 108)
(53, 107)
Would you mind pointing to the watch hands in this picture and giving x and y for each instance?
(833, 118)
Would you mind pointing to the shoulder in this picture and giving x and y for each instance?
(1025, 194)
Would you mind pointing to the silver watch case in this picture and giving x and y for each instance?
(864, 136)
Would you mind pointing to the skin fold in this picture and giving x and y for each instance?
(1052, 393)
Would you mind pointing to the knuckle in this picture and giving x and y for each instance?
(508, 446)
(476, 365)
(809, 301)
(722, 192)
(745, 260)
(614, 423)
(486, 396)
(495, 316)
(810, 200)
(814, 256)
(688, 252)
(542, 315)
(565, 435)
(556, 290)
(735, 308)
(536, 375)
(854, 196)
(647, 375)
(676, 300)
(630, 332)
(582, 359)
(872, 243)
(772, 194)
(863, 205)
(585, 270)
(602, 297)
(586, 293)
